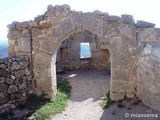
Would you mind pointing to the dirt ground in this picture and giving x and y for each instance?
(87, 89)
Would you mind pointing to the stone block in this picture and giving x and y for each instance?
(124, 61)
(15, 66)
(128, 31)
(4, 73)
(22, 58)
(46, 85)
(147, 50)
(36, 32)
(148, 34)
(116, 42)
(39, 18)
(3, 93)
(12, 26)
(11, 42)
(114, 18)
(96, 55)
(42, 72)
(12, 89)
(3, 66)
(117, 96)
(26, 33)
(152, 101)
(144, 24)
(93, 47)
(50, 7)
(119, 74)
(61, 11)
(47, 46)
(128, 19)
(13, 35)
(24, 44)
(32, 24)
(155, 55)
(103, 47)
(22, 25)
(122, 86)
(88, 21)
(27, 72)
(76, 18)
(45, 24)
(42, 60)
(9, 81)
(66, 26)
(2, 79)
(19, 73)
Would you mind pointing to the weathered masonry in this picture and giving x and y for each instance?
(134, 50)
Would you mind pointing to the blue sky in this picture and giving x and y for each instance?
(24, 10)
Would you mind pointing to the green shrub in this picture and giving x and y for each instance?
(105, 100)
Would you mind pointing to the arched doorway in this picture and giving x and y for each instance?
(43, 36)
(83, 50)
(83, 61)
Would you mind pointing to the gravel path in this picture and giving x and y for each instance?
(87, 88)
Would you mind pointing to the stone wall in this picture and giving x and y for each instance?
(68, 55)
(132, 46)
(148, 74)
(44, 35)
(15, 81)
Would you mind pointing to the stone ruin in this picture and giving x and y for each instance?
(15, 81)
(131, 50)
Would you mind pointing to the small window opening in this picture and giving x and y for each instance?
(85, 50)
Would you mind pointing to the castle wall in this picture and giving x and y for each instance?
(133, 48)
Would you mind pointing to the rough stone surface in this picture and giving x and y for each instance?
(14, 84)
(128, 19)
(148, 77)
(144, 24)
(131, 48)
(68, 55)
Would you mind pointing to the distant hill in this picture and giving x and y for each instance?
(3, 48)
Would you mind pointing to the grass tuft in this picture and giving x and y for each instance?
(105, 100)
(55, 105)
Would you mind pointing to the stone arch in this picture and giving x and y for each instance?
(53, 60)
(43, 36)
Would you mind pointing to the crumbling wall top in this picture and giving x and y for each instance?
(61, 11)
